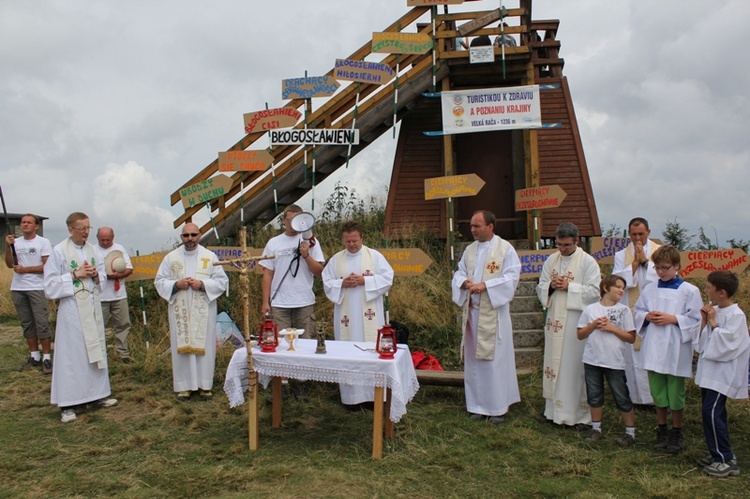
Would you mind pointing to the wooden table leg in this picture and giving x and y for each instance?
(377, 424)
(252, 410)
(388, 422)
(276, 407)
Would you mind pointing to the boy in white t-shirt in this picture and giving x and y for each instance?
(607, 326)
(724, 347)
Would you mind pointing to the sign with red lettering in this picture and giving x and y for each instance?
(406, 261)
(703, 262)
(453, 186)
(539, 198)
(271, 119)
(205, 190)
(392, 42)
(244, 161)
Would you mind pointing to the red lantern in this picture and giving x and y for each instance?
(268, 337)
(386, 342)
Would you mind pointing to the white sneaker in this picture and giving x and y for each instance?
(105, 402)
(68, 416)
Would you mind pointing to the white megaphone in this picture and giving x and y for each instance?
(303, 223)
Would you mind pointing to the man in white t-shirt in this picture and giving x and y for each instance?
(27, 290)
(288, 279)
(114, 296)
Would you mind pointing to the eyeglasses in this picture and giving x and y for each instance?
(82, 229)
(190, 234)
(663, 268)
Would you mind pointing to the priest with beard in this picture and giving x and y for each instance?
(191, 281)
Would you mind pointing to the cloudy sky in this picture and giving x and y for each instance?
(108, 106)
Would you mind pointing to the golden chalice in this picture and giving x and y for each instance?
(290, 335)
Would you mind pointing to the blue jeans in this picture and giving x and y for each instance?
(616, 380)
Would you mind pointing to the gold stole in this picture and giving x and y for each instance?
(191, 322)
(487, 327)
(369, 314)
(557, 313)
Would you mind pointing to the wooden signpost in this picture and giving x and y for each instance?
(205, 190)
(244, 161)
(703, 262)
(374, 73)
(308, 87)
(406, 261)
(229, 253)
(314, 136)
(479, 23)
(539, 198)
(391, 42)
(453, 186)
(145, 267)
(270, 119)
(532, 262)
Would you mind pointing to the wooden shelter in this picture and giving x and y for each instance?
(507, 160)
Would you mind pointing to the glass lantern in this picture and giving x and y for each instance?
(386, 342)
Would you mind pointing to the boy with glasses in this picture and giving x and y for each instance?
(668, 318)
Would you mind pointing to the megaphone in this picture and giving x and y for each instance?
(303, 223)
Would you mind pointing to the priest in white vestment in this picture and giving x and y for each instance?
(75, 275)
(191, 281)
(483, 286)
(355, 280)
(634, 265)
(569, 281)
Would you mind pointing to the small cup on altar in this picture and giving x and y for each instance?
(291, 334)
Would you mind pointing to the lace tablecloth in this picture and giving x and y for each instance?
(344, 363)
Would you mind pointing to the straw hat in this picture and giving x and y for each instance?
(115, 261)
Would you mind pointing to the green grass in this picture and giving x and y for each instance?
(151, 445)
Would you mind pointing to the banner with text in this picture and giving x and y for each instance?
(308, 87)
(270, 119)
(507, 108)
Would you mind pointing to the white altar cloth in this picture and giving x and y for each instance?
(344, 363)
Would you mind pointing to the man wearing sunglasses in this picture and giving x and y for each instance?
(191, 281)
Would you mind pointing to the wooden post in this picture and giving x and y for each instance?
(448, 169)
(377, 424)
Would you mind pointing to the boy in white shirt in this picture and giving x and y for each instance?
(607, 326)
(724, 347)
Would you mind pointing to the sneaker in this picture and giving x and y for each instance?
(31, 364)
(47, 366)
(661, 440)
(183, 396)
(625, 441)
(675, 441)
(722, 470)
(702, 462)
(205, 394)
(68, 416)
(594, 436)
(126, 360)
(496, 420)
(105, 402)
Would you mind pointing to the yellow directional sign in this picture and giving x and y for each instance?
(244, 161)
(271, 119)
(205, 190)
(539, 198)
(145, 267)
(454, 186)
(391, 42)
(406, 261)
